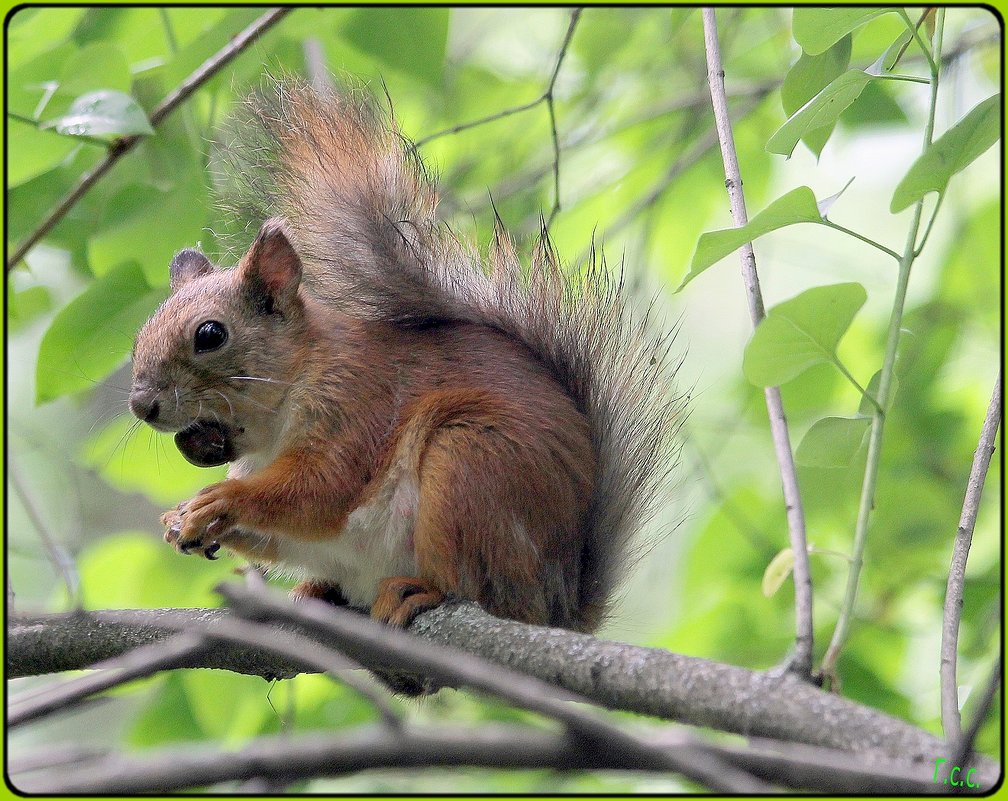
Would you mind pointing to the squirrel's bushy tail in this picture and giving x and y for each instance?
(361, 211)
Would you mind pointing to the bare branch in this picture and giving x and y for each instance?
(551, 108)
(619, 676)
(58, 555)
(122, 146)
(801, 659)
(281, 760)
(964, 747)
(374, 643)
(951, 724)
(546, 97)
(137, 664)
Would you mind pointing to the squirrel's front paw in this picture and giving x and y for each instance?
(202, 524)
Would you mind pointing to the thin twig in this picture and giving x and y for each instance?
(801, 659)
(951, 723)
(124, 145)
(551, 107)
(139, 663)
(546, 97)
(58, 555)
(964, 744)
(278, 761)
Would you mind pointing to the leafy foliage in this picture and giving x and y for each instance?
(639, 170)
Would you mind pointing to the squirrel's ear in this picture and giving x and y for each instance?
(187, 265)
(271, 270)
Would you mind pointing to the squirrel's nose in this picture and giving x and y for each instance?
(144, 404)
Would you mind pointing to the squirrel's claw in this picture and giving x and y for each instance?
(201, 524)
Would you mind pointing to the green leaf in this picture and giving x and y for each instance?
(874, 108)
(25, 306)
(93, 334)
(136, 229)
(94, 67)
(798, 205)
(818, 29)
(412, 40)
(142, 460)
(822, 110)
(952, 152)
(102, 113)
(777, 571)
(157, 575)
(833, 442)
(31, 152)
(801, 332)
(867, 405)
(809, 75)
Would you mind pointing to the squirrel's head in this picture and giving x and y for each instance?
(216, 361)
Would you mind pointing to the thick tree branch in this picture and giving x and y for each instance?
(619, 676)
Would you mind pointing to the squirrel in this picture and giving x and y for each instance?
(405, 422)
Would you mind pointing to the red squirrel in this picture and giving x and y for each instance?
(405, 422)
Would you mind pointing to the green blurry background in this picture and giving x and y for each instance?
(639, 168)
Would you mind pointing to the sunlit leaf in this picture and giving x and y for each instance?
(817, 29)
(25, 306)
(102, 113)
(801, 332)
(798, 205)
(412, 39)
(823, 109)
(955, 150)
(777, 571)
(93, 334)
(833, 442)
(806, 78)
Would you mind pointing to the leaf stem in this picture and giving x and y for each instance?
(932, 65)
(908, 78)
(865, 239)
(885, 384)
(864, 393)
(927, 230)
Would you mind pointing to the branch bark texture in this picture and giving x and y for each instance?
(615, 675)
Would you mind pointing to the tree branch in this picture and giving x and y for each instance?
(615, 675)
(801, 659)
(286, 759)
(951, 723)
(122, 146)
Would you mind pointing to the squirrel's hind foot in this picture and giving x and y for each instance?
(402, 598)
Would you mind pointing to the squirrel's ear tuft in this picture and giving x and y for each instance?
(271, 270)
(187, 265)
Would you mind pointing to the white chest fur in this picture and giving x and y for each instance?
(376, 542)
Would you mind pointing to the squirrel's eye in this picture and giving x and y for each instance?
(209, 336)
